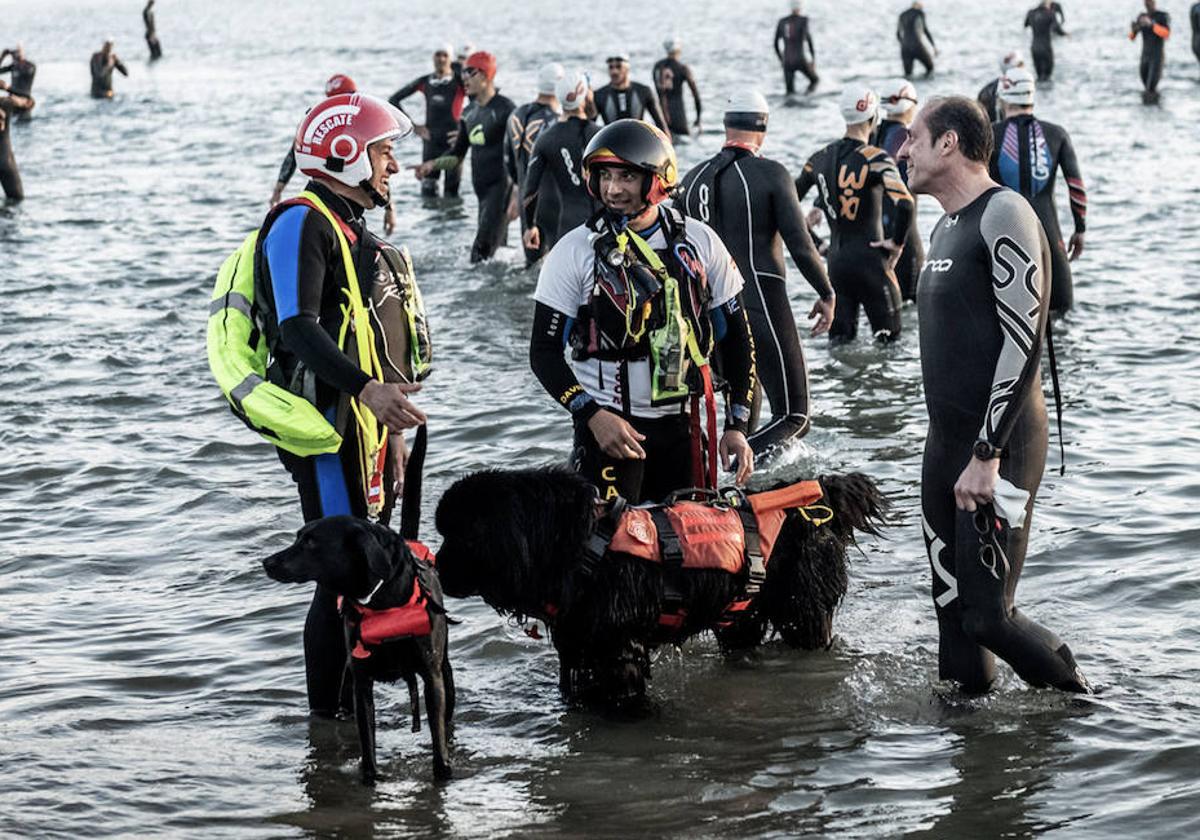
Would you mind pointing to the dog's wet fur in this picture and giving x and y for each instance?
(350, 556)
(517, 539)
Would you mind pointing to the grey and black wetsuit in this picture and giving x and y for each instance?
(751, 203)
(482, 130)
(444, 98)
(1155, 29)
(852, 179)
(791, 37)
(890, 136)
(1027, 156)
(524, 125)
(10, 177)
(554, 197)
(102, 72)
(916, 41)
(669, 78)
(1045, 23)
(632, 102)
(983, 310)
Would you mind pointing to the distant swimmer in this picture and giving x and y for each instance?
(1046, 21)
(1027, 154)
(151, 31)
(623, 98)
(23, 72)
(916, 41)
(554, 178)
(10, 178)
(670, 75)
(987, 95)
(481, 130)
(899, 103)
(527, 122)
(792, 35)
(981, 339)
(102, 66)
(853, 178)
(751, 203)
(445, 96)
(1155, 28)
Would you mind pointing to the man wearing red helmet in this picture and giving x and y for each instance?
(482, 130)
(307, 270)
(645, 298)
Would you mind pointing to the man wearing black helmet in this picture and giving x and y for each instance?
(622, 98)
(646, 299)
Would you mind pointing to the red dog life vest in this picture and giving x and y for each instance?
(375, 627)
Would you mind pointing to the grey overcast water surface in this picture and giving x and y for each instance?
(151, 677)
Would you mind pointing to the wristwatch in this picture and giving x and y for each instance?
(984, 451)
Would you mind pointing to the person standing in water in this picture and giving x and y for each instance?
(899, 104)
(1155, 28)
(102, 65)
(623, 98)
(915, 39)
(792, 35)
(151, 31)
(981, 340)
(10, 178)
(22, 71)
(670, 75)
(444, 97)
(1046, 21)
(525, 124)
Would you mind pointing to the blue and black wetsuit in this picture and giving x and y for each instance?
(482, 130)
(1155, 29)
(1046, 22)
(853, 179)
(751, 203)
(561, 201)
(916, 41)
(792, 35)
(670, 76)
(632, 102)
(1027, 156)
(890, 136)
(444, 98)
(983, 307)
(525, 125)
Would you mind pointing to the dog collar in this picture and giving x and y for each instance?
(364, 601)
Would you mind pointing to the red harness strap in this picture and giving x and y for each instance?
(704, 470)
(376, 627)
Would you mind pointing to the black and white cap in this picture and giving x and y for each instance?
(747, 110)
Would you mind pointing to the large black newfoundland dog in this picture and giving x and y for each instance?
(613, 585)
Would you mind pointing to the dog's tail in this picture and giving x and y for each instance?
(857, 504)
(414, 471)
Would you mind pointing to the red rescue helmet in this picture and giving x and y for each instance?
(333, 138)
(340, 83)
(633, 144)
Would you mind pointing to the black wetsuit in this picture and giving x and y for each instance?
(1194, 15)
(482, 130)
(983, 311)
(669, 78)
(151, 33)
(22, 82)
(1028, 154)
(558, 153)
(444, 98)
(524, 125)
(632, 102)
(10, 177)
(102, 73)
(791, 37)
(989, 100)
(1154, 35)
(915, 40)
(852, 178)
(1045, 23)
(890, 136)
(751, 203)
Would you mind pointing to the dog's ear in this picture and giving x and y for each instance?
(379, 557)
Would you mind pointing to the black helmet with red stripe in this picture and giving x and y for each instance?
(633, 144)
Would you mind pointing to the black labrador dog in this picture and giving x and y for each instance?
(526, 541)
(395, 623)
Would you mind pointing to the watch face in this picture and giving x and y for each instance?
(984, 450)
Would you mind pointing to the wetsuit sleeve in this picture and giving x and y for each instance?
(1018, 255)
(546, 345)
(6, 68)
(736, 346)
(297, 251)
(882, 166)
(1163, 29)
(288, 168)
(512, 144)
(1029, 19)
(925, 29)
(691, 80)
(1075, 188)
(778, 38)
(121, 67)
(1058, 30)
(655, 109)
(408, 90)
(812, 50)
(457, 152)
(805, 182)
(533, 182)
(790, 218)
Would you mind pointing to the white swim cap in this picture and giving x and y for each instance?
(796, 6)
(446, 48)
(859, 104)
(747, 110)
(572, 90)
(618, 54)
(1011, 59)
(547, 78)
(898, 97)
(672, 44)
(1017, 87)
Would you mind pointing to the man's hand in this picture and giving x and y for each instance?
(617, 438)
(422, 170)
(734, 445)
(3, 85)
(421, 131)
(977, 484)
(389, 220)
(398, 452)
(532, 239)
(823, 311)
(1075, 246)
(387, 402)
(892, 250)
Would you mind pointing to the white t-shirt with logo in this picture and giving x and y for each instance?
(565, 284)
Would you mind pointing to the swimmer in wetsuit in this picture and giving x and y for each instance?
(852, 178)
(151, 31)
(670, 75)
(102, 65)
(1027, 154)
(444, 97)
(10, 106)
(899, 103)
(988, 100)
(1194, 16)
(622, 98)
(916, 41)
(23, 72)
(554, 178)
(481, 130)
(792, 35)
(1155, 28)
(751, 203)
(1046, 21)
(983, 308)
(527, 122)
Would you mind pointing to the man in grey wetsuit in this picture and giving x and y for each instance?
(983, 306)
